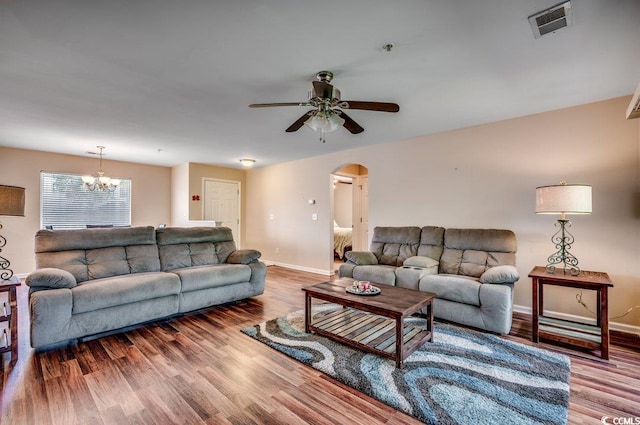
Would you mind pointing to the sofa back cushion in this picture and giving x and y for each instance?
(181, 247)
(392, 245)
(431, 242)
(470, 252)
(96, 253)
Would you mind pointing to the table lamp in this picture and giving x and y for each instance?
(563, 199)
(11, 204)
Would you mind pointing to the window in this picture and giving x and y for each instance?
(66, 204)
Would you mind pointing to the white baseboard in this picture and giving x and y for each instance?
(299, 268)
(622, 327)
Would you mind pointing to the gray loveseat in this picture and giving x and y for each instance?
(472, 271)
(91, 281)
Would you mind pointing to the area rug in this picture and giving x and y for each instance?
(463, 377)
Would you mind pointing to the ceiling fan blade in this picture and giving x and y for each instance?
(268, 105)
(350, 124)
(300, 122)
(370, 106)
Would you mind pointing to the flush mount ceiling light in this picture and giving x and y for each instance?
(100, 181)
(247, 162)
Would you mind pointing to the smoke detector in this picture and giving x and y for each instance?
(633, 111)
(552, 19)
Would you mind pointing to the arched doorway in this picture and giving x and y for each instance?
(350, 210)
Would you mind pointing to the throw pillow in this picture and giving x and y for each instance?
(362, 258)
(423, 262)
(51, 278)
(500, 274)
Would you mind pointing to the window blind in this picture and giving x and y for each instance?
(65, 203)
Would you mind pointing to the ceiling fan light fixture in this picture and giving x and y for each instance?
(325, 122)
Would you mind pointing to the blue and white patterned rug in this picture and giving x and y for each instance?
(463, 377)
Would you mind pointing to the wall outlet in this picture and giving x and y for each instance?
(270, 216)
(277, 250)
(314, 216)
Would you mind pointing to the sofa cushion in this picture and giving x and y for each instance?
(112, 291)
(392, 245)
(211, 276)
(456, 288)
(409, 277)
(84, 239)
(194, 246)
(500, 274)
(361, 258)
(470, 252)
(51, 278)
(422, 262)
(376, 274)
(431, 241)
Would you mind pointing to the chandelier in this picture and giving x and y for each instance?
(100, 182)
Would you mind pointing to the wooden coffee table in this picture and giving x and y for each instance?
(372, 323)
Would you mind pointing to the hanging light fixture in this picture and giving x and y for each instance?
(326, 121)
(100, 182)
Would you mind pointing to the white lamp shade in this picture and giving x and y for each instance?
(88, 179)
(563, 199)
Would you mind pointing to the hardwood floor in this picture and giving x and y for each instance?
(199, 369)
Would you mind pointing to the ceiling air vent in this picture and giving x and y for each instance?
(552, 19)
(633, 111)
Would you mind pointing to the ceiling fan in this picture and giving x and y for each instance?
(328, 113)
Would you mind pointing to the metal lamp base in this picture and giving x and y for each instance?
(563, 240)
(5, 271)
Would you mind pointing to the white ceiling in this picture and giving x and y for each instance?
(166, 82)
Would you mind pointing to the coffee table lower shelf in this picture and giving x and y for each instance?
(370, 332)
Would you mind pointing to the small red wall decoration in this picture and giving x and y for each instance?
(195, 198)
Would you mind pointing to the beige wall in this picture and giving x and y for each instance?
(150, 195)
(180, 199)
(483, 176)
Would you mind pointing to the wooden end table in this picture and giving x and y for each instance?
(566, 331)
(9, 313)
(375, 323)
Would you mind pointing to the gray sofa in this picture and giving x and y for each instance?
(91, 281)
(472, 271)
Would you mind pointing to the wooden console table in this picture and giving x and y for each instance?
(9, 313)
(595, 337)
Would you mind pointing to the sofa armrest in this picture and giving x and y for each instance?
(361, 258)
(500, 274)
(51, 278)
(243, 256)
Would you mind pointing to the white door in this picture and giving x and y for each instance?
(361, 213)
(222, 203)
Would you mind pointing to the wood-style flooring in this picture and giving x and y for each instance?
(200, 369)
